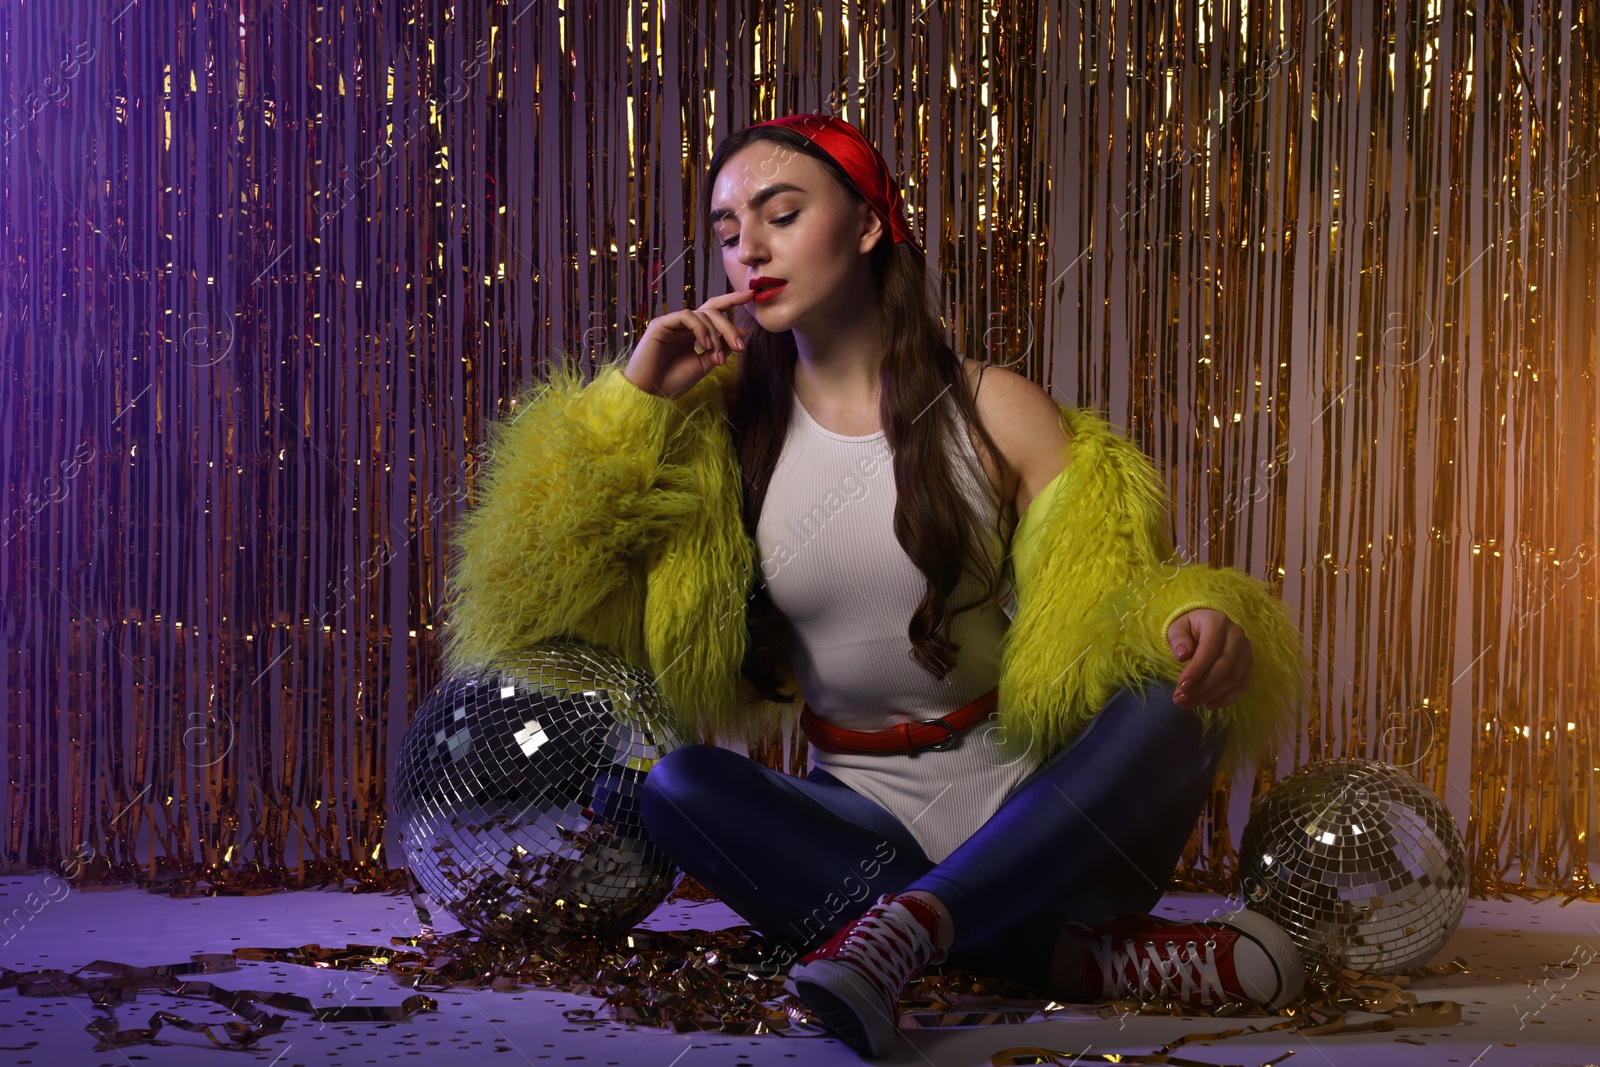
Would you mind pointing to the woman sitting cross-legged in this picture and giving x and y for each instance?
(1017, 699)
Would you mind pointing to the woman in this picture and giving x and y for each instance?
(971, 586)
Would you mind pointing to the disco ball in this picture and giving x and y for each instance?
(1361, 863)
(516, 795)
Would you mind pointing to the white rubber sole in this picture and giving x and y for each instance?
(847, 1003)
(1270, 968)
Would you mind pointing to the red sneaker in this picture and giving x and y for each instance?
(1241, 957)
(854, 981)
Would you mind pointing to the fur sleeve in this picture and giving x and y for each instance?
(1102, 589)
(577, 491)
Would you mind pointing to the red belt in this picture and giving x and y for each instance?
(904, 737)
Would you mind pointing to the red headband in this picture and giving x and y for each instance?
(845, 145)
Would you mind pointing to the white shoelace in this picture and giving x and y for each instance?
(889, 947)
(1133, 967)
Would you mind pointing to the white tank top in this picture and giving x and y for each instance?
(829, 556)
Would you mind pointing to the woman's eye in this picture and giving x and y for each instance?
(784, 221)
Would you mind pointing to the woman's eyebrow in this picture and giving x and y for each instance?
(718, 214)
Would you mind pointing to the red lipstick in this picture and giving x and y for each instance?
(766, 288)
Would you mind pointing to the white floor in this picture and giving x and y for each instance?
(1531, 1000)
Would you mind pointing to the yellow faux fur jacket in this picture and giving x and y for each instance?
(612, 515)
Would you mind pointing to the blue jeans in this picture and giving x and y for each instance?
(1094, 832)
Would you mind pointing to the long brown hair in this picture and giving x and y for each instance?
(935, 523)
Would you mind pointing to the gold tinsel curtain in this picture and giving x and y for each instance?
(270, 268)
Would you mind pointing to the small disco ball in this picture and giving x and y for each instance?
(516, 795)
(1361, 863)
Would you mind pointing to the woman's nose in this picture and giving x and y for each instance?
(750, 250)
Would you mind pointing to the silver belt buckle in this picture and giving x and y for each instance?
(943, 743)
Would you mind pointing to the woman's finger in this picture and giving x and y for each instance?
(1238, 683)
(1208, 646)
(732, 334)
(734, 298)
(724, 302)
(713, 339)
(1225, 672)
(1210, 666)
(705, 335)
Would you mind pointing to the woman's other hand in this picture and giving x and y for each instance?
(680, 348)
(1219, 658)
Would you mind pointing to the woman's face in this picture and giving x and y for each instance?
(778, 213)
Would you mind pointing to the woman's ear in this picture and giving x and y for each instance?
(872, 229)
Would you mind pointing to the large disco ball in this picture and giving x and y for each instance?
(516, 795)
(1361, 863)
